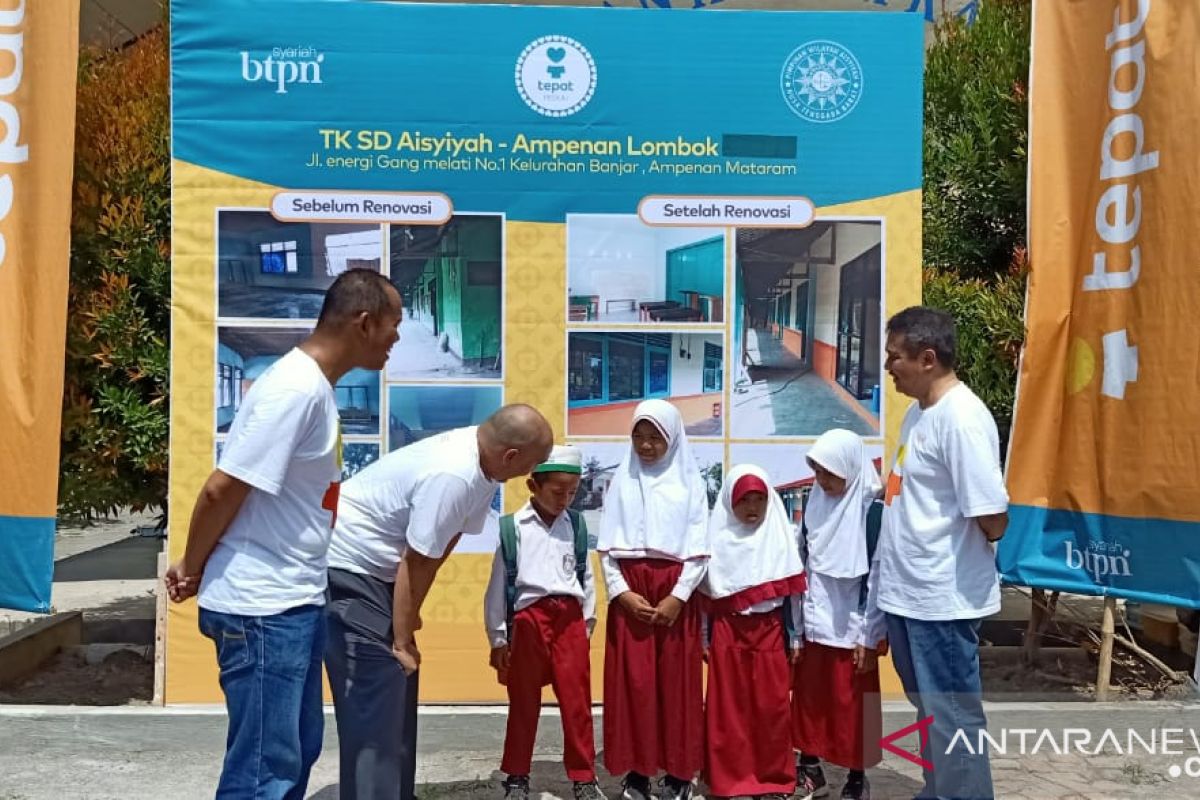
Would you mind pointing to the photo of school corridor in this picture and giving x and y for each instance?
(244, 354)
(807, 324)
(622, 270)
(609, 373)
(268, 269)
(449, 277)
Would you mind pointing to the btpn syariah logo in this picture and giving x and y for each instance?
(556, 76)
(283, 67)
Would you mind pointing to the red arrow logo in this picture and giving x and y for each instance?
(921, 727)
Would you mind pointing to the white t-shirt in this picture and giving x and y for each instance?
(935, 562)
(545, 567)
(285, 442)
(420, 496)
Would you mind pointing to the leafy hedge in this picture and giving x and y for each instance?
(115, 420)
(976, 140)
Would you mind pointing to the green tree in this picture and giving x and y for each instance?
(115, 416)
(976, 138)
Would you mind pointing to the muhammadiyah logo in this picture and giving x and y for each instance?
(556, 76)
(821, 81)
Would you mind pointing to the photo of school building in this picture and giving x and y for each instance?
(621, 270)
(808, 330)
(244, 354)
(788, 468)
(601, 460)
(450, 279)
(280, 270)
(609, 373)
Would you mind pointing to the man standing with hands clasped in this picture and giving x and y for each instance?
(946, 506)
(260, 529)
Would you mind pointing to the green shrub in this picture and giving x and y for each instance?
(976, 134)
(115, 416)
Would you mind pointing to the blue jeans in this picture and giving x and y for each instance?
(271, 676)
(938, 663)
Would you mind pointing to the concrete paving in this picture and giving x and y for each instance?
(53, 753)
(784, 398)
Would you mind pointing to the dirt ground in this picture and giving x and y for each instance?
(127, 678)
(123, 678)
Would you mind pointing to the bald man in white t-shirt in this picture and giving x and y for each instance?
(398, 521)
(936, 564)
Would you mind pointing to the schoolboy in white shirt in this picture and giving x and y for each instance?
(540, 608)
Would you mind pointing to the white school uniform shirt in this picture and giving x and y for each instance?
(284, 443)
(934, 561)
(832, 613)
(545, 567)
(418, 497)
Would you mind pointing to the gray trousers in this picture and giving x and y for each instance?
(375, 703)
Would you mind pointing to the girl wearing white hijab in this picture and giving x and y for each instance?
(754, 569)
(836, 712)
(653, 543)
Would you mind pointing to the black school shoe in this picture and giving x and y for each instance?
(516, 787)
(810, 782)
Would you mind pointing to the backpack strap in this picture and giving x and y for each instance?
(874, 523)
(508, 549)
(579, 527)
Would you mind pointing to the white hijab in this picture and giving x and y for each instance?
(746, 557)
(837, 526)
(661, 508)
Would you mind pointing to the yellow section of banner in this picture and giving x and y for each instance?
(453, 644)
(38, 54)
(1107, 406)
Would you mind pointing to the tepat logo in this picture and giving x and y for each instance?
(921, 727)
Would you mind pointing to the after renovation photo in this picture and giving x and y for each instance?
(244, 354)
(268, 269)
(451, 280)
(609, 373)
(621, 270)
(808, 330)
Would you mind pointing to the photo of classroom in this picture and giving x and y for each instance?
(244, 354)
(609, 373)
(808, 330)
(418, 412)
(268, 269)
(621, 270)
(450, 278)
(601, 459)
(787, 465)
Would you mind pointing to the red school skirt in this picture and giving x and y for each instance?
(836, 713)
(653, 681)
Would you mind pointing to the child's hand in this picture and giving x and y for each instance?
(865, 660)
(636, 606)
(881, 649)
(704, 654)
(500, 657)
(795, 655)
(667, 611)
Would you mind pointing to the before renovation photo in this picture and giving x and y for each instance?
(244, 354)
(808, 330)
(267, 269)
(450, 278)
